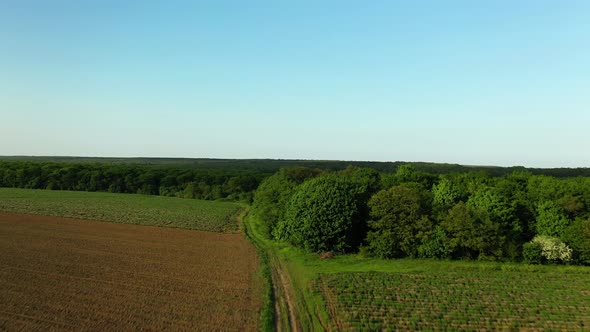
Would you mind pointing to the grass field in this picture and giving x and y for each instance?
(124, 208)
(355, 293)
(76, 275)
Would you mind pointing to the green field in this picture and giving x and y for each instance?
(457, 300)
(125, 208)
(351, 292)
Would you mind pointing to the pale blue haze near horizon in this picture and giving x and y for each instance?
(470, 82)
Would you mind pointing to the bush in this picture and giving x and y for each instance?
(553, 249)
(532, 253)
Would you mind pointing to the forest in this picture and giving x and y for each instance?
(414, 210)
(208, 184)
(410, 213)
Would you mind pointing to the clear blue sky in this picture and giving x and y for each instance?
(471, 82)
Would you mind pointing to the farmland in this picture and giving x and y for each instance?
(71, 275)
(456, 300)
(124, 208)
(357, 293)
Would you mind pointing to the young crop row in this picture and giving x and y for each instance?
(465, 300)
(123, 208)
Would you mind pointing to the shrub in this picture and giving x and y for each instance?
(532, 253)
(553, 249)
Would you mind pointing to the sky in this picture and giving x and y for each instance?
(470, 82)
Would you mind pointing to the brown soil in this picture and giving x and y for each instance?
(75, 275)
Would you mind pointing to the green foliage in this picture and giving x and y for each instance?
(553, 249)
(577, 237)
(409, 173)
(445, 195)
(273, 194)
(574, 206)
(532, 253)
(271, 198)
(210, 184)
(434, 244)
(323, 215)
(399, 218)
(471, 233)
(501, 212)
(130, 209)
(551, 219)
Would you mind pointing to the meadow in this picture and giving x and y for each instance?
(125, 208)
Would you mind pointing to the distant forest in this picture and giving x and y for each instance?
(270, 166)
(387, 210)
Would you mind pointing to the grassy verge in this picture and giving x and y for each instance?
(267, 312)
(124, 208)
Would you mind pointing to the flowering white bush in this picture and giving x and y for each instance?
(553, 249)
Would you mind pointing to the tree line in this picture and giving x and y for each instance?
(209, 184)
(518, 216)
(270, 166)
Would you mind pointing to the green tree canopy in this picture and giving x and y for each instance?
(399, 219)
(471, 233)
(551, 219)
(323, 215)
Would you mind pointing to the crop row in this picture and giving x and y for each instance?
(130, 209)
(465, 300)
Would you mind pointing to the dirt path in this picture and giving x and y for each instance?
(284, 303)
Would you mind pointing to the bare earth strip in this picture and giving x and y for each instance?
(74, 275)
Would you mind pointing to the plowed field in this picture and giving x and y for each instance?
(75, 275)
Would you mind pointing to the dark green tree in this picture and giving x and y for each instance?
(399, 221)
(323, 215)
(577, 237)
(472, 234)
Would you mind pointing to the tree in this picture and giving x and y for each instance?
(577, 237)
(273, 194)
(500, 212)
(445, 195)
(471, 233)
(323, 215)
(270, 200)
(434, 244)
(551, 219)
(408, 173)
(399, 216)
